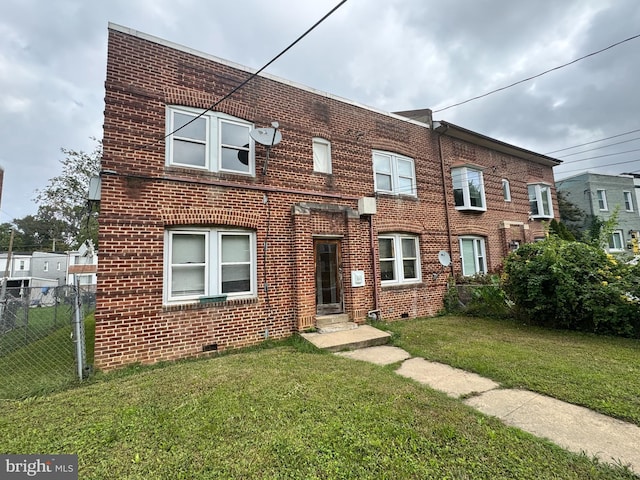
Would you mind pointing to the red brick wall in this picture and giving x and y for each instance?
(491, 224)
(141, 197)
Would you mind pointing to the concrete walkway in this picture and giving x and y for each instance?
(575, 428)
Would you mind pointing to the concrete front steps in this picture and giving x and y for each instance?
(337, 335)
(334, 323)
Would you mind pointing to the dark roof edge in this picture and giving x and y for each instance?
(455, 131)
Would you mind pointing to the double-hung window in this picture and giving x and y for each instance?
(45, 267)
(468, 188)
(616, 241)
(394, 174)
(321, 155)
(399, 258)
(506, 190)
(205, 262)
(211, 141)
(602, 200)
(628, 201)
(540, 200)
(473, 256)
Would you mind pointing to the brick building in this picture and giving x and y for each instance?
(210, 240)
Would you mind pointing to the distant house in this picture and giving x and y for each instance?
(210, 240)
(19, 266)
(53, 268)
(599, 195)
(50, 265)
(83, 266)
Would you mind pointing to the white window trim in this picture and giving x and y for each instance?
(398, 259)
(213, 143)
(466, 196)
(628, 200)
(506, 190)
(602, 192)
(619, 234)
(483, 253)
(395, 176)
(327, 143)
(213, 264)
(540, 204)
(45, 266)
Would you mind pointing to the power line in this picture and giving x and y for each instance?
(602, 156)
(538, 75)
(251, 77)
(594, 141)
(600, 166)
(598, 148)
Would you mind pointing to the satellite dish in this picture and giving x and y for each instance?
(444, 258)
(266, 136)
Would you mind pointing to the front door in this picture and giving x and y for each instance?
(328, 277)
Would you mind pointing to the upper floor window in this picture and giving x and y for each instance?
(540, 200)
(58, 266)
(45, 267)
(468, 188)
(399, 258)
(203, 262)
(321, 155)
(473, 256)
(21, 265)
(506, 190)
(394, 174)
(602, 199)
(628, 201)
(213, 141)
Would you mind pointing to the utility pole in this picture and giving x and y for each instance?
(5, 279)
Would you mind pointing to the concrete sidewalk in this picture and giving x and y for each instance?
(575, 428)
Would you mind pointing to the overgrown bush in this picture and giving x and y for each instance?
(573, 285)
(479, 296)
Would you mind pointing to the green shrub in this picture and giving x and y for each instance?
(573, 285)
(478, 296)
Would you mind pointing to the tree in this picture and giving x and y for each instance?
(44, 233)
(599, 231)
(64, 201)
(561, 230)
(571, 215)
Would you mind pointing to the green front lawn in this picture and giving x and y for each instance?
(601, 373)
(280, 412)
(46, 364)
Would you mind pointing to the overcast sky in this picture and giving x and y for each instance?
(389, 54)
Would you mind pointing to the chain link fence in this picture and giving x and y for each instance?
(42, 341)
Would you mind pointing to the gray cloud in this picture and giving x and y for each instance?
(393, 55)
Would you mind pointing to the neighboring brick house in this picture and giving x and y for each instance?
(599, 195)
(204, 245)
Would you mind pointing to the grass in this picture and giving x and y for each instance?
(42, 321)
(601, 373)
(45, 365)
(279, 412)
